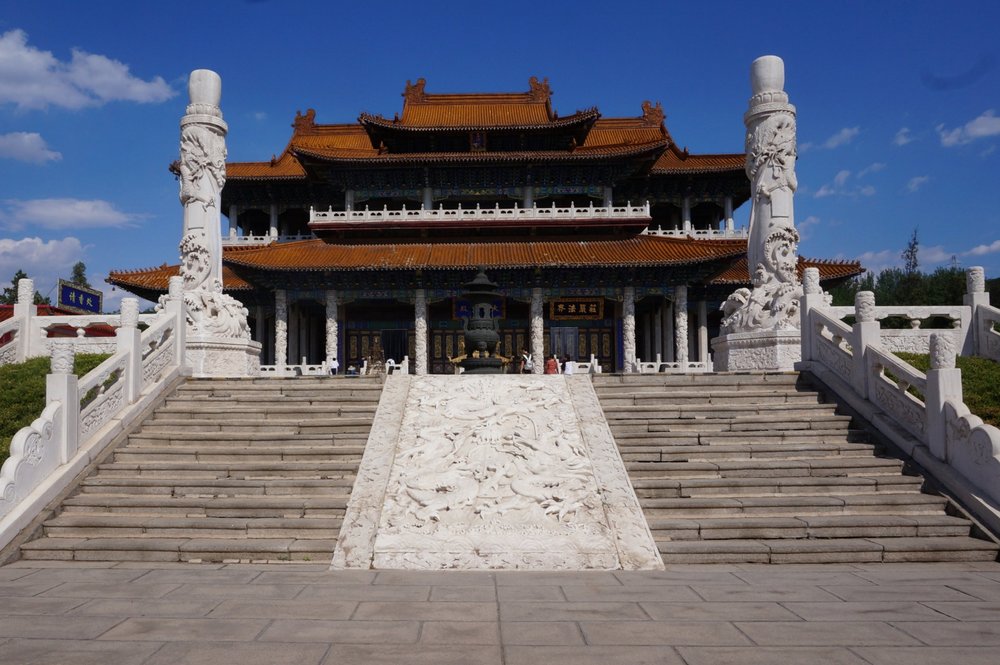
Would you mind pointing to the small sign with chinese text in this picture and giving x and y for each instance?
(79, 299)
(561, 309)
(462, 308)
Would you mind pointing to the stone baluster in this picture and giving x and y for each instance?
(129, 341)
(944, 382)
(975, 296)
(61, 386)
(866, 333)
(812, 298)
(25, 310)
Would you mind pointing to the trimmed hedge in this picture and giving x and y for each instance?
(22, 393)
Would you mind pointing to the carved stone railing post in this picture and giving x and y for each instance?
(944, 382)
(628, 330)
(537, 331)
(812, 297)
(420, 331)
(866, 333)
(25, 310)
(129, 341)
(976, 296)
(61, 386)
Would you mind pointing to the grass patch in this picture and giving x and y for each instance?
(22, 393)
(980, 383)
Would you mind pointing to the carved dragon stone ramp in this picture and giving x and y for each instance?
(493, 472)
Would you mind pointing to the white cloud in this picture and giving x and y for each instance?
(43, 261)
(876, 262)
(874, 167)
(843, 137)
(932, 255)
(903, 137)
(841, 177)
(63, 214)
(34, 79)
(980, 250)
(984, 126)
(805, 226)
(26, 147)
(866, 190)
(259, 115)
(917, 182)
(824, 191)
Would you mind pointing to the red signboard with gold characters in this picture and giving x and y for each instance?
(561, 309)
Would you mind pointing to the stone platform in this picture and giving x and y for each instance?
(493, 472)
(292, 614)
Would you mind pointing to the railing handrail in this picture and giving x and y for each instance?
(628, 211)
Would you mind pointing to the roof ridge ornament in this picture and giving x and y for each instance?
(414, 92)
(304, 124)
(539, 91)
(653, 114)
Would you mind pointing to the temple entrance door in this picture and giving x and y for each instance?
(563, 341)
(394, 344)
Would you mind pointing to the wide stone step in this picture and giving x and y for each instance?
(230, 470)
(695, 381)
(653, 424)
(692, 437)
(661, 410)
(836, 550)
(243, 439)
(228, 410)
(84, 525)
(260, 454)
(634, 452)
(248, 506)
(765, 468)
(815, 526)
(655, 488)
(178, 486)
(739, 395)
(873, 503)
(179, 549)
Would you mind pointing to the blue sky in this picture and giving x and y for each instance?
(899, 105)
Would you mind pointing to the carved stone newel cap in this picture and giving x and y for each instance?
(61, 360)
(25, 291)
(975, 280)
(864, 306)
(810, 281)
(205, 87)
(767, 74)
(942, 351)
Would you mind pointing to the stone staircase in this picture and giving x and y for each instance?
(224, 470)
(757, 468)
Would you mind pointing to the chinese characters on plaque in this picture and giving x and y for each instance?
(576, 308)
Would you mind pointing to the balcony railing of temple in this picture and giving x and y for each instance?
(628, 214)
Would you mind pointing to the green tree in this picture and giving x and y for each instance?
(9, 295)
(80, 274)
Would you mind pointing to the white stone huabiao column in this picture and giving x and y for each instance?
(280, 329)
(760, 325)
(428, 201)
(349, 199)
(686, 213)
(331, 327)
(234, 212)
(608, 196)
(628, 329)
(528, 199)
(537, 331)
(420, 331)
(218, 337)
(727, 209)
(272, 221)
(681, 325)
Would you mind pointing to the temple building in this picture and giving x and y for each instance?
(606, 238)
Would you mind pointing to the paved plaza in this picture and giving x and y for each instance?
(274, 614)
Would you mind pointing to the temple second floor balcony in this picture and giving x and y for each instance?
(627, 217)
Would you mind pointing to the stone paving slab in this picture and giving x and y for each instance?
(189, 614)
